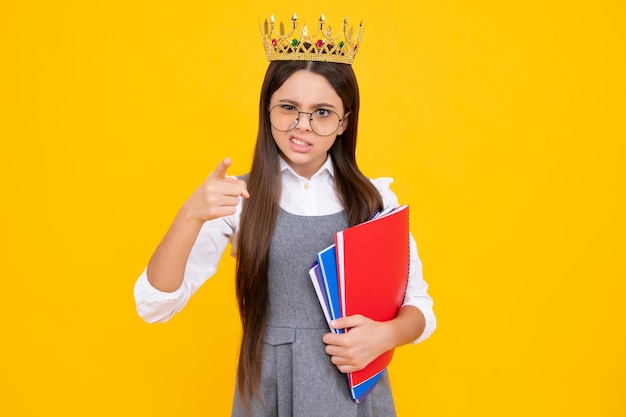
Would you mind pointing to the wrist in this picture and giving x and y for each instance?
(407, 326)
(187, 215)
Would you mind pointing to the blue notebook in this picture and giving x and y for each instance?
(323, 274)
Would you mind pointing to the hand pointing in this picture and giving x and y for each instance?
(218, 196)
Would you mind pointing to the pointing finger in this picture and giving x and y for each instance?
(222, 168)
(220, 174)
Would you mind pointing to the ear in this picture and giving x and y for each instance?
(343, 125)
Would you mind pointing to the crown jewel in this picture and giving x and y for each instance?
(298, 45)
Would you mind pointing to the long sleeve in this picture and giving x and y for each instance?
(417, 289)
(158, 306)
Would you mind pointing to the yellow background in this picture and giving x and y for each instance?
(502, 123)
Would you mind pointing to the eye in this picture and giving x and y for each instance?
(288, 108)
(322, 112)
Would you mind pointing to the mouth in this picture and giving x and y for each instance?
(299, 142)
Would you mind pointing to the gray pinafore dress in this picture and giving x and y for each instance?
(297, 377)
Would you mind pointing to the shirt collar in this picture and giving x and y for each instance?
(326, 166)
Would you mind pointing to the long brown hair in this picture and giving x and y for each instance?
(258, 218)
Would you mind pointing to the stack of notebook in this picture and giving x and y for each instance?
(365, 272)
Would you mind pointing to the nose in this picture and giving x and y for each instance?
(304, 121)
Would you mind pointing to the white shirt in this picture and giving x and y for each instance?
(299, 196)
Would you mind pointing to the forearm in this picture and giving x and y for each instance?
(408, 325)
(166, 268)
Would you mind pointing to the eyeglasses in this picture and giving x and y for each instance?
(285, 117)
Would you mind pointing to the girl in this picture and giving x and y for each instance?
(304, 185)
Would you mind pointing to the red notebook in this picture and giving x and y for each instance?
(373, 267)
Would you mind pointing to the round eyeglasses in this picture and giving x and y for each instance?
(285, 117)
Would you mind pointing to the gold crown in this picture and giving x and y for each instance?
(300, 46)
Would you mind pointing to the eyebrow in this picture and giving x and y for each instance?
(316, 106)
